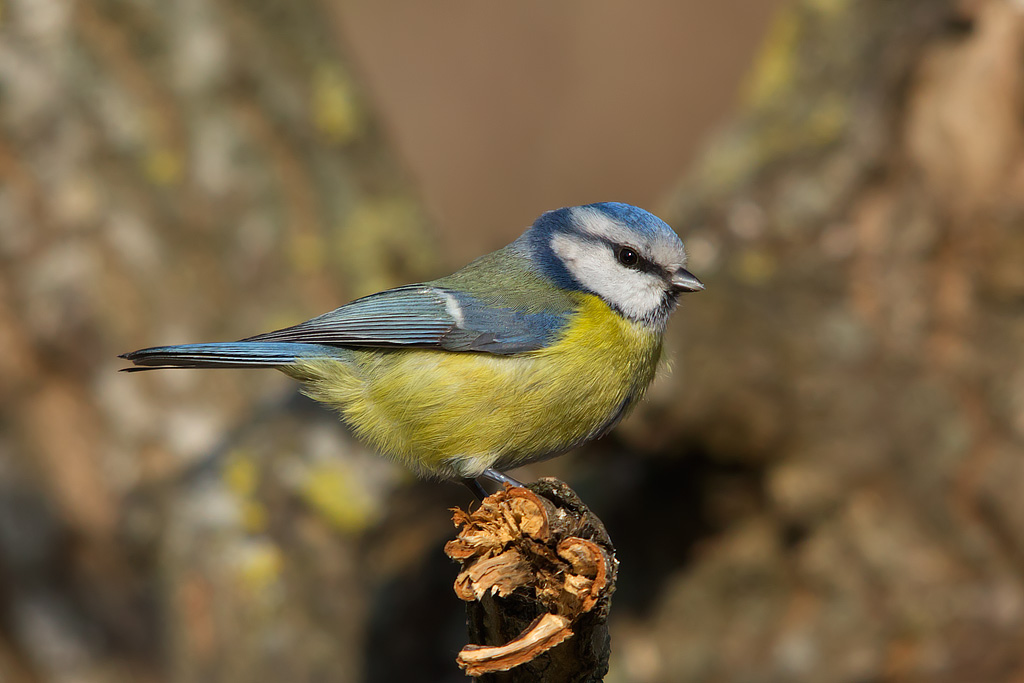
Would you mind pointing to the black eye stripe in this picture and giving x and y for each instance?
(640, 263)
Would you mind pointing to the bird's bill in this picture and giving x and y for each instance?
(685, 281)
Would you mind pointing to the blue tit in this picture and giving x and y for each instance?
(524, 354)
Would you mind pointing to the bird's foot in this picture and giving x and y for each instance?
(475, 487)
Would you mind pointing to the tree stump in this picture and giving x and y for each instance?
(537, 571)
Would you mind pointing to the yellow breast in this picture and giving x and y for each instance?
(456, 414)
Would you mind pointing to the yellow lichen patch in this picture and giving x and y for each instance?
(254, 516)
(775, 66)
(735, 156)
(164, 166)
(259, 566)
(827, 121)
(336, 112)
(241, 475)
(828, 8)
(381, 243)
(337, 495)
(242, 478)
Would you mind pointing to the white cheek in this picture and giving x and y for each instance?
(638, 295)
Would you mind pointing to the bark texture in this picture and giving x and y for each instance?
(173, 171)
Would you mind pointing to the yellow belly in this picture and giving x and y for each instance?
(456, 414)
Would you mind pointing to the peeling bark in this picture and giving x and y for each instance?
(538, 570)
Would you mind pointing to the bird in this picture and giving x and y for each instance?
(522, 355)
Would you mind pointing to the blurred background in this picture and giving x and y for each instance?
(825, 487)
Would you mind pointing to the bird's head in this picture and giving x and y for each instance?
(627, 256)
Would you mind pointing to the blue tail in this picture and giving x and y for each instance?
(228, 355)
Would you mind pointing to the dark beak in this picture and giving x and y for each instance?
(685, 281)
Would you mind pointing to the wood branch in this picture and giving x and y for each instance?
(537, 571)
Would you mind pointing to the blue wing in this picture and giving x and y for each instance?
(426, 316)
(227, 355)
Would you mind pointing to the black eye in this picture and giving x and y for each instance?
(627, 257)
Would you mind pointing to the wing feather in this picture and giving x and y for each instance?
(425, 316)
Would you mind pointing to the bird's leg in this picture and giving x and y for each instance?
(501, 478)
(476, 487)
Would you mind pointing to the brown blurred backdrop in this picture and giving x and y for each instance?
(502, 111)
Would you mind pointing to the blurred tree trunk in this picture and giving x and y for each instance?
(173, 171)
(859, 350)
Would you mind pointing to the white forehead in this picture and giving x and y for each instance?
(662, 247)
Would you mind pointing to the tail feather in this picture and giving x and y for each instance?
(227, 355)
